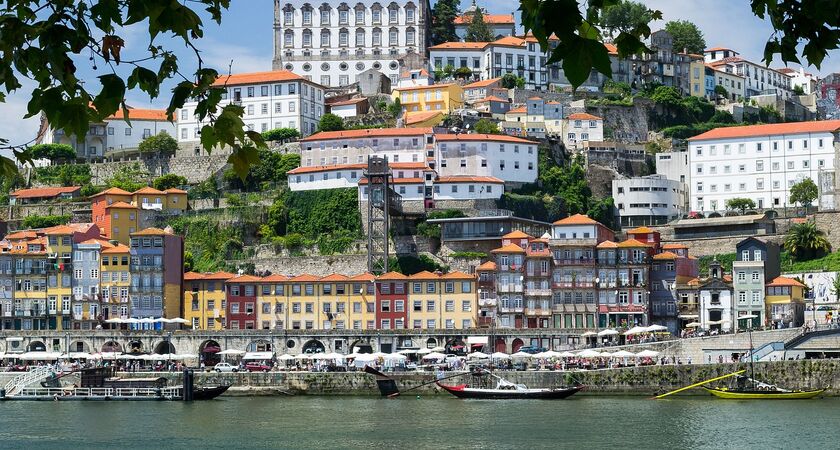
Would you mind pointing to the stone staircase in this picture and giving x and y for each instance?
(25, 379)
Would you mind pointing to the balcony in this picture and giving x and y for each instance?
(538, 292)
(538, 274)
(510, 288)
(510, 268)
(152, 206)
(575, 262)
(487, 302)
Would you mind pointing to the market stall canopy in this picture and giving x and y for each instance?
(521, 355)
(610, 332)
(424, 351)
(259, 355)
(478, 355)
(77, 355)
(747, 317)
(635, 330)
(589, 353)
(438, 349)
(434, 355)
(408, 351)
(623, 354)
(589, 333)
(647, 354)
(285, 357)
(655, 328)
(395, 356)
(500, 355)
(481, 340)
(114, 320)
(567, 355)
(231, 351)
(179, 320)
(551, 354)
(692, 325)
(335, 355)
(40, 356)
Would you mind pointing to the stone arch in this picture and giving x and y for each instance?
(455, 345)
(361, 346)
(135, 346)
(208, 352)
(259, 345)
(500, 345)
(79, 346)
(36, 346)
(517, 344)
(112, 347)
(313, 346)
(431, 342)
(164, 347)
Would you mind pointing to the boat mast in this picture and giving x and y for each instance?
(752, 357)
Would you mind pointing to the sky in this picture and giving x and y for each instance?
(244, 39)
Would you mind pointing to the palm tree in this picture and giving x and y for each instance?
(805, 241)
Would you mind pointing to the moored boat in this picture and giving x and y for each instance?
(510, 393)
(779, 394)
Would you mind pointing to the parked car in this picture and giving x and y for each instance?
(257, 367)
(225, 367)
(532, 349)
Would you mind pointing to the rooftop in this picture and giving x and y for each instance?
(773, 129)
(370, 133)
(158, 115)
(256, 77)
(44, 192)
(482, 83)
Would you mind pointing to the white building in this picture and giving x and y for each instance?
(277, 99)
(807, 81)
(759, 79)
(500, 25)
(760, 162)
(415, 78)
(114, 135)
(582, 127)
(331, 43)
(649, 200)
(508, 158)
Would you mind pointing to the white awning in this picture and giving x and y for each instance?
(259, 355)
(688, 316)
(478, 339)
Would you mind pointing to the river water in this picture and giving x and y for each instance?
(426, 422)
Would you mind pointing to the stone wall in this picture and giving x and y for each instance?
(315, 265)
(829, 223)
(414, 244)
(713, 246)
(624, 123)
(18, 212)
(194, 168)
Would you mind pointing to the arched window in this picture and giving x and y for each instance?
(377, 37)
(326, 9)
(360, 37)
(376, 14)
(343, 37)
(307, 38)
(393, 37)
(393, 13)
(410, 13)
(306, 13)
(325, 38)
(288, 38)
(344, 14)
(410, 36)
(360, 14)
(288, 15)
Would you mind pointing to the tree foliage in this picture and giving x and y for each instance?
(281, 134)
(805, 241)
(686, 36)
(478, 30)
(315, 213)
(486, 126)
(804, 192)
(443, 21)
(168, 181)
(44, 221)
(64, 175)
(623, 17)
(330, 122)
(510, 81)
(129, 178)
(269, 173)
(161, 144)
(53, 152)
(740, 204)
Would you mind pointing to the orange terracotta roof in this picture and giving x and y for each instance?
(490, 19)
(727, 278)
(607, 244)
(674, 246)
(327, 168)
(469, 179)
(510, 248)
(335, 277)
(489, 265)
(368, 133)
(117, 249)
(492, 98)
(457, 275)
(275, 278)
(517, 234)
(577, 219)
(773, 129)
(121, 205)
(785, 281)
(482, 83)
(693, 282)
(44, 192)
(367, 276)
(192, 276)
(256, 77)
(535, 98)
(665, 255)
(305, 277)
(420, 88)
(519, 110)
(24, 234)
(102, 242)
(630, 243)
(151, 232)
(470, 137)
(510, 41)
(221, 275)
(407, 73)
(147, 190)
(174, 191)
(112, 191)
(611, 49)
(460, 46)
(157, 115)
(583, 116)
(244, 279)
(397, 181)
(420, 116)
(641, 230)
(424, 275)
(351, 101)
(59, 230)
(717, 49)
(391, 276)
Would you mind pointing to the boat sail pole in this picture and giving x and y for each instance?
(699, 384)
(752, 350)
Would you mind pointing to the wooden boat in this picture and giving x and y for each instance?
(510, 392)
(208, 392)
(778, 394)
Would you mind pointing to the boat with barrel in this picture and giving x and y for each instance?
(505, 390)
(746, 388)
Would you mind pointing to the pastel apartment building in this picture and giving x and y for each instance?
(119, 213)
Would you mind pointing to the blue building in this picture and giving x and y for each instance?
(86, 300)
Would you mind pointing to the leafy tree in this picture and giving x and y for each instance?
(168, 181)
(722, 116)
(478, 30)
(281, 134)
(798, 90)
(394, 109)
(687, 36)
(616, 87)
(740, 204)
(161, 144)
(330, 122)
(129, 178)
(89, 190)
(64, 175)
(721, 91)
(666, 95)
(463, 72)
(271, 170)
(510, 81)
(409, 265)
(623, 17)
(8, 184)
(313, 213)
(835, 286)
(278, 217)
(805, 241)
(804, 192)
(486, 126)
(53, 152)
(443, 21)
(44, 221)
(188, 261)
(43, 42)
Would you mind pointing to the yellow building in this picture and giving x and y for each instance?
(149, 198)
(123, 221)
(362, 301)
(59, 279)
(435, 97)
(204, 300)
(30, 285)
(447, 301)
(696, 76)
(785, 302)
(115, 281)
(272, 302)
(304, 303)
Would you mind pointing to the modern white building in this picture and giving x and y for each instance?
(758, 78)
(649, 200)
(114, 135)
(806, 80)
(760, 162)
(276, 99)
(674, 166)
(508, 158)
(333, 42)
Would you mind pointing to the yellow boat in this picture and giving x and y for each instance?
(775, 394)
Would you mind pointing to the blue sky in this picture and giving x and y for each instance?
(245, 39)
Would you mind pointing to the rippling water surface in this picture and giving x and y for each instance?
(427, 422)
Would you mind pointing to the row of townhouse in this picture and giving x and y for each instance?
(391, 301)
(119, 213)
(578, 277)
(426, 166)
(70, 277)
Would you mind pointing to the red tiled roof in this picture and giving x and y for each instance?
(192, 276)
(510, 248)
(335, 277)
(157, 115)
(490, 19)
(424, 275)
(121, 205)
(24, 234)
(397, 181)
(327, 168)
(717, 49)
(629, 243)
(391, 276)
(674, 246)
(112, 191)
(221, 275)
(641, 230)
(583, 116)
(119, 248)
(785, 281)
(174, 191)
(519, 110)
(665, 255)
(102, 242)
(152, 232)
(305, 277)
(460, 46)
(469, 137)
(351, 101)
(482, 83)
(489, 265)
(510, 41)
(420, 116)
(577, 219)
(275, 278)
(369, 133)
(420, 88)
(44, 192)
(59, 230)
(492, 98)
(244, 279)
(256, 77)
(607, 244)
(611, 49)
(367, 276)
(147, 190)
(469, 179)
(773, 129)
(457, 275)
(517, 234)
